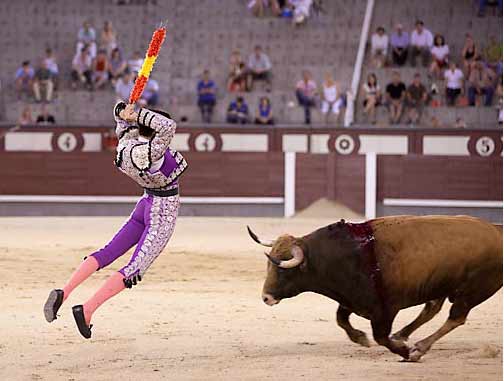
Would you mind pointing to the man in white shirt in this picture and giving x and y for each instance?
(379, 46)
(420, 44)
(259, 68)
(454, 79)
(124, 86)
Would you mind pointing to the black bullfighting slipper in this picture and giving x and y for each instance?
(52, 305)
(80, 320)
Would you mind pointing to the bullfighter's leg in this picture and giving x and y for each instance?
(381, 333)
(357, 336)
(430, 310)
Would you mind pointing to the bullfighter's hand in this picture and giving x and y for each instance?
(129, 114)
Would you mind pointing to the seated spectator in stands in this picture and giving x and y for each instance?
(135, 62)
(484, 3)
(481, 82)
(81, 68)
(124, 85)
(499, 93)
(379, 46)
(306, 93)
(237, 76)
(237, 111)
(420, 44)
(43, 81)
(117, 65)
(206, 97)
(331, 97)
(264, 114)
(493, 54)
(100, 69)
(372, 97)
(26, 116)
(50, 60)
(258, 7)
(108, 38)
(87, 37)
(454, 79)
(150, 96)
(395, 94)
(469, 54)
(399, 41)
(416, 99)
(24, 79)
(440, 52)
(301, 11)
(259, 68)
(45, 117)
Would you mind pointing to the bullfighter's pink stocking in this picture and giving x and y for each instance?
(86, 268)
(113, 285)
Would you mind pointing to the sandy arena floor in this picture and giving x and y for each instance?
(198, 314)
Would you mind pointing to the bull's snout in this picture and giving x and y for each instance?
(269, 300)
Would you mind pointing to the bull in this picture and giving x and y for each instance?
(377, 268)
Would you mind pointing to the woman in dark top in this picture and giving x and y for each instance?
(469, 53)
(264, 113)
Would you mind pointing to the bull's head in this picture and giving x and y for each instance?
(286, 262)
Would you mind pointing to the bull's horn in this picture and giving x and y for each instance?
(276, 262)
(259, 241)
(296, 260)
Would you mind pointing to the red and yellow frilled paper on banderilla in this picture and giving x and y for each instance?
(150, 58)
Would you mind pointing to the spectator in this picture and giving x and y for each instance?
(24, 79)
(108, 38)
(81, 68)
(372, 95)
(118, 65)
(264, 113)
(45, 117)
(87, 37)
(206, 97)
(499, 92)
(258, 7)
(259, 68)
(395, 93)
(301, 10)
(135, 63)
(306, 92)
(43, 80)
(469, 54)
(379, 46)
(26, 116)
(399, 40)
(493, 54)
(331, 97)
(100, 69)
(50, 60)
(416, 99)
(440, 52)
(421, 43)
(124, 85)
(484, 3)
(481, 82)
(237, 77)
(237, 111)
(150, 96)
(454, 79)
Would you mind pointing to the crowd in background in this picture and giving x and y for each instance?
(471, 77)
(98, 63)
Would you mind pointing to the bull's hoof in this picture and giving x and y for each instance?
(361, 339)
(415, 354)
